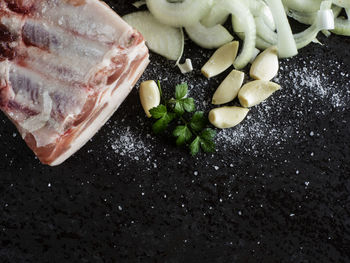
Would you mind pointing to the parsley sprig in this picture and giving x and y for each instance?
(191, 129)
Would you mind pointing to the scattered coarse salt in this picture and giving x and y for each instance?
(307, 90)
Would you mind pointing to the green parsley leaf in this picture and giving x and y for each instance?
(198, 121)
(179, 108)
(206, 140)
(160, 125)
(181, 91)
(195, 146)
(183, 134)
(208, 146)
(158, 112)
(208, 134)
(188, 104)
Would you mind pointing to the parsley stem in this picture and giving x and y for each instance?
(183, 120)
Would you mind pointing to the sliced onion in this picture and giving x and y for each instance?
(301, 17)
(138, 4)
(242, 13)
(342, 3)
(307, 6)
(256, 53)
(268, 18)
(323, 21)
(309, 18)
(186, 67)
(215, 16)
(262, 44)
(264, 31)
(161, 39)
(285, 42)
(182, 46)
(326, 33)
(212, 37)
(342, 25)
(179, 14)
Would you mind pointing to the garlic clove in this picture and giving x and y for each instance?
(256, 91)
(229, 88)
(265, 66)
(227, 117)
(221, 60)
(149, 96)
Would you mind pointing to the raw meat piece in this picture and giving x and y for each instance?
(65, 67)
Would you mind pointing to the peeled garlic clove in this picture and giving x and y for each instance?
(265, 66)
(228, 89)
(221, 60)
(256, 91)
(149, 96)
(227, 117)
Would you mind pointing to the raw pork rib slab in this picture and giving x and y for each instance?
(65, 67)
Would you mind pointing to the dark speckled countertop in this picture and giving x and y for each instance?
(277, 189)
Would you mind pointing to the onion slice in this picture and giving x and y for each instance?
(138, 4)
(179, 14)
(215, 16)
(242, 13)
(212, 37)
(186, 67)
(342, 3)
(285, 42)
(307, 6)
(309, 18)
(161, 39)
(342, 25)
(323, 21)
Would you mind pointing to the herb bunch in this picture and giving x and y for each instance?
(191, 125)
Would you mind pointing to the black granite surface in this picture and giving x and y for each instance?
(286, 202)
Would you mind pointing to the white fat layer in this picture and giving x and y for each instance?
(93, 19)
(37, 122)
(29, 86)
(61, 68)
(114, 100)
(13, 23)
(4, 73)
(66, 44)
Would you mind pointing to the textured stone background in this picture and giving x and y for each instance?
(284, 202)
